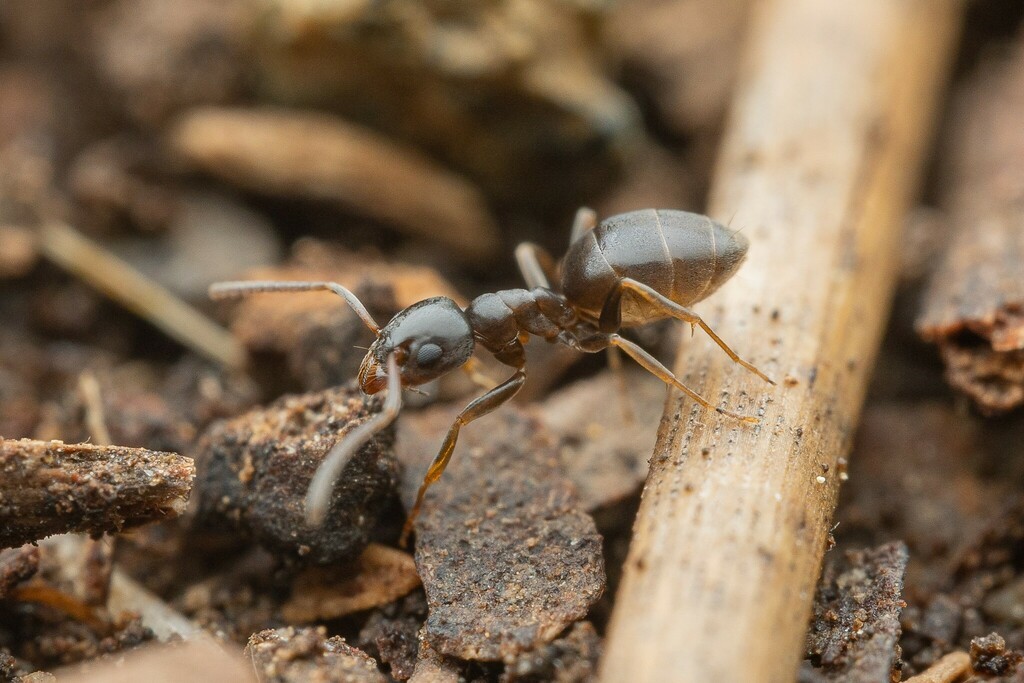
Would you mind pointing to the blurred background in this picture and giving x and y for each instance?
(403, 148)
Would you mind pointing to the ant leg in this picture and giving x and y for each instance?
(478, 408)
(536, 265)
(584, 222)
(674, 310)
(318, 496)
(615, 363)
(234, 290)
(654, 366)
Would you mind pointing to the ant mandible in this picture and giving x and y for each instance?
(631, 269)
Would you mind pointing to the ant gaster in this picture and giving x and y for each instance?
(630, 269)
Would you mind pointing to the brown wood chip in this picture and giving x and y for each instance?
(290, 655)
(381, 576)
(856, 624)
(974, 307)
(507, 556)
(269, 151)
(49, 487)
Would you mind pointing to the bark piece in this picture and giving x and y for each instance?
(570, 659)
(508, 558)
(49, 487)
(855, 630)
(819, 163)
(949, 669)
(317, 156)
(974, 307)
(254, 471)
(290, 655)
(380, 576)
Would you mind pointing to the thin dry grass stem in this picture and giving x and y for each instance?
(72, 251)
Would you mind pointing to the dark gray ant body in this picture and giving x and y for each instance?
(629, 270)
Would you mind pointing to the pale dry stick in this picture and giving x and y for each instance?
(87, 260)
(820, 162)
(949, 669)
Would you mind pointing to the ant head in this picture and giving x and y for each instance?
(429, 339)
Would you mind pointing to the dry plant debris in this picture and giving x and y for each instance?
(49, 487)
(855, 630)
(290, 655)
(570, 659)
(270, 151)
(604, 454)
(392, 634)
(16, 565)
(507, 556)
(512, 92)
(254, 471)
(380, 576)
(974, 309)
(193, 660)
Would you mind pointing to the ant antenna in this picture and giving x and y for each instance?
(234, 290)
(318, 497)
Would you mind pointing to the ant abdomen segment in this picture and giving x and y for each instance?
(627, 270)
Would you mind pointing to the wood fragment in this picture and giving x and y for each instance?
(974, 306)
(855, 629)
(819, 164)
(507, 557)
(270, 150)
(128, 595)
(49, 487)
(197, 660)
(87, 260)
(950, 669)
(290, 655)
(381, 576)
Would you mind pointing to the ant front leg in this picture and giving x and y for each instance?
(671, 309)
(478, 408)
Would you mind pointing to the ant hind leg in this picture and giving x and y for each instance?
(477, 408)
(655, 367)
(672, 309)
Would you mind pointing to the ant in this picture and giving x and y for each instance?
(628, 270)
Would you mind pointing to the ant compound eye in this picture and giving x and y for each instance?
(428, 354)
